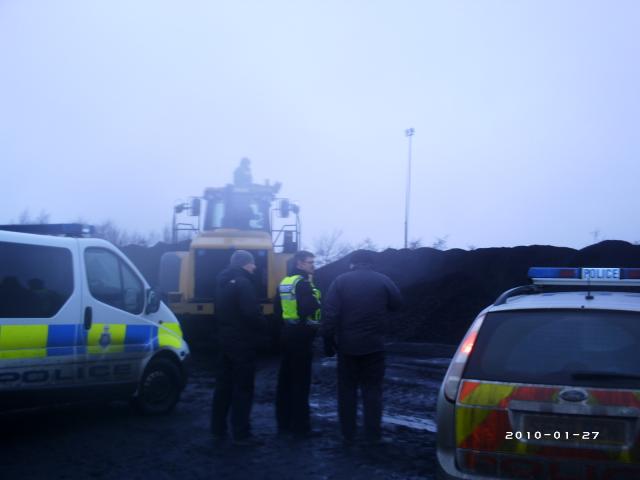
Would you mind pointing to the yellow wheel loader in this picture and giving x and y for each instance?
(239, 216)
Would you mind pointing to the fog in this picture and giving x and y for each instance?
(526, 114)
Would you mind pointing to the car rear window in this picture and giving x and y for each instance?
(567, 347)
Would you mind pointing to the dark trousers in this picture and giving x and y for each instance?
(294, 379)
(233, 393)
(364, 372)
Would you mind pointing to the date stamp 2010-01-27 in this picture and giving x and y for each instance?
(556, 435)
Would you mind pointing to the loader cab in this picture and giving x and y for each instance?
(237, 208)
(234, 211)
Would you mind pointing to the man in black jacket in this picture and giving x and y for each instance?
(298, 304)
(239, 326)
(354, 320)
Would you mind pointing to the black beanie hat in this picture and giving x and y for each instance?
(240, 258)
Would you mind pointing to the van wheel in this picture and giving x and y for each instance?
(159, 389)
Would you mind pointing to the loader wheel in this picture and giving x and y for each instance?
(159, 389)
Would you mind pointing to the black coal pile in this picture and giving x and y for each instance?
(147, 259)
(444, 290)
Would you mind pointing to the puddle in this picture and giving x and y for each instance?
(414, 423)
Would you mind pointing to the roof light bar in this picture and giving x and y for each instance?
(61, 229)
(611, 276)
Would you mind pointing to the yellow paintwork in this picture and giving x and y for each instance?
(488, 394)
(467, 420)
(170, 335)
(23, 341)
(224, 239)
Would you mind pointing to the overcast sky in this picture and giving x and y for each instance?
(526, 113)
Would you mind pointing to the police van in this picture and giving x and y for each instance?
(546, 382)
(77, 320)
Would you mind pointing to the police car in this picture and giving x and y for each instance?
(546, 382)
(77, 320)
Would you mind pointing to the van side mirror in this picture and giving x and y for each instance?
(153, 302)
(284, 208)
(195, 207)
(289, 244)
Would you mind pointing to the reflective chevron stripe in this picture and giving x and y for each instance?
(488, 415)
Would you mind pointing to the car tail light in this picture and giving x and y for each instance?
(456, 368)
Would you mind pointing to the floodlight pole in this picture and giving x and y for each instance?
(409, 133)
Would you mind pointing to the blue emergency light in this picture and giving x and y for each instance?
(585, 276)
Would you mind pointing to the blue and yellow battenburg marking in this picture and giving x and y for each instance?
(39, 341)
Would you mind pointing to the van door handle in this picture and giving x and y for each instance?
(88, 318)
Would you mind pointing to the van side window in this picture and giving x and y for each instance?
(111, 281)
(35, 280)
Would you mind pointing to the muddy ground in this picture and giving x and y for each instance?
(109, 441)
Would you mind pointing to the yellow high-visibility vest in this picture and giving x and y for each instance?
(289, 301)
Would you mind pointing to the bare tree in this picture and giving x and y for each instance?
(440, 243)
(110, 232)
(367, 244)
(26, 219)
(120, 237)
(43, 217)
(329, 248)
(415, 243)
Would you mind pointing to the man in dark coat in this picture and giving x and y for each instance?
(354, 321)
(242, 174)
(239, 325)
(298, 305)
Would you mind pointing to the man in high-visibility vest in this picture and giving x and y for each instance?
(298, 302)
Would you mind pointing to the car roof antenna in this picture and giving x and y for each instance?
(589, 296)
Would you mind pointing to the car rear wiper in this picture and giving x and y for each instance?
(595, 375)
